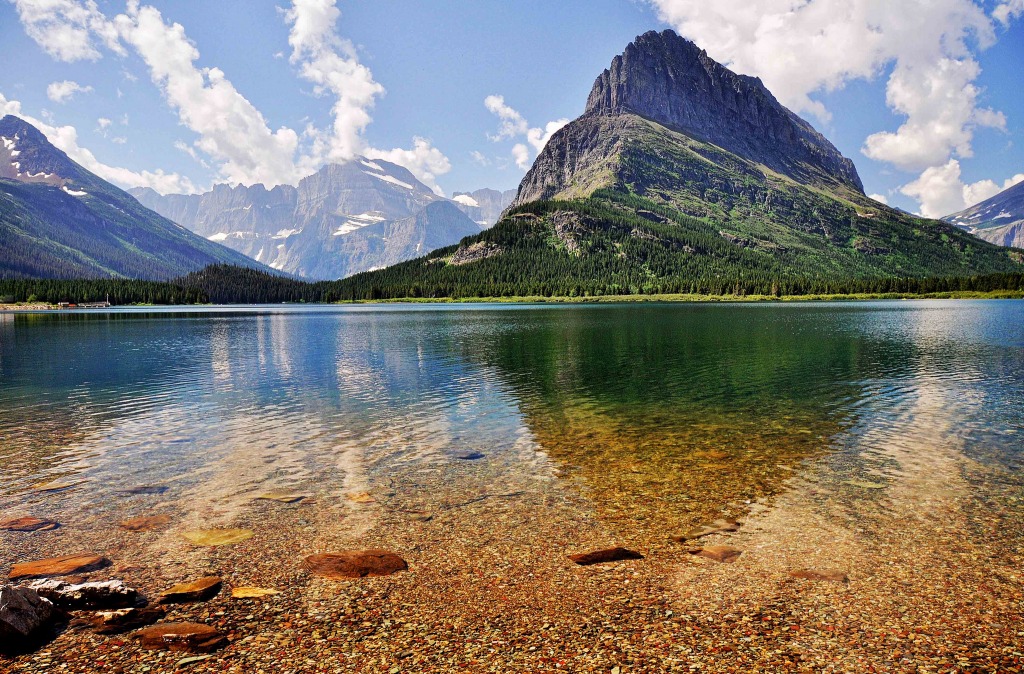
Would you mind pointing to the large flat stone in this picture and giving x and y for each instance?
(602, 556)
(27, 524)
(197, 590)
(355, 564)
(120, 620)
(58, 566)
(187, 637)
(106, 594)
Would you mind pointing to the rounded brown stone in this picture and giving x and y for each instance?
(823, 574)
(148, 523)
(719, 553)
(355, 564)
(197, 590)
(58, 566)
(601, 556)
(188, 637)
(27, 524)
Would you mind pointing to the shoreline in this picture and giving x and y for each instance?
(604, 299)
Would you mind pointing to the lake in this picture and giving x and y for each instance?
(457, 433)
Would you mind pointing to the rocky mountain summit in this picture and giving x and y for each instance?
(684, 177)
(342, 220)
(58, 220)
(667, 79)
(999, 220)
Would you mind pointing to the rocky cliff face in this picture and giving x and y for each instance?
(998, 220)
(666, 79)
(340, 221)
(484, 206)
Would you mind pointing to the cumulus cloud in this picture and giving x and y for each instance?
(802, 47)
(880, 198)
(62, 92)
(332, 65)
(538, 138)
(514, 125)
(68, 30)
(66, 138)
(941, 191)
(521, 155)
(231, 130)
(1007, 11)
(424, 160)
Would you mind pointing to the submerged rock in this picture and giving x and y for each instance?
(27, 524)
(469, 456)
(361, 497)
(281, 497)
(145, 490)
(823, 574)
(187, 637)
(355, 564)
(25, 618)
(719, 553)
(601, 556)
(105, 594)
(716, 527)
(148, 523)
(197, 590)
(252, 592)
(120, 620)
(214, 537)
(58, 566)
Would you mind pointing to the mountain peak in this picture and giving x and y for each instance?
(26, 155)
(670, 80)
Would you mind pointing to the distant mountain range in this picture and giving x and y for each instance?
(999, 220)
(58, 220)
(484, 206)
(682, 176)
(347, 218)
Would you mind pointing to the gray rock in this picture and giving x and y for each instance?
(97, 595)
(667, 79)
(25, 618)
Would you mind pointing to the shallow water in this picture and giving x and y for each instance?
(659, 413)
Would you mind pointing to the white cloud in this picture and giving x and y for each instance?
(119, 140)
(880, 198)
(538, 138)
(941, 191)
(514, 125)
(66, 138)
(67, 30)
(424, 160)
(801, 47)
(1007, 11)
(230, 128)
(521, 155)
(332, 65)
(103, 123)
(479, 158)
(62, 92)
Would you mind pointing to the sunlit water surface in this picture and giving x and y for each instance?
(681, 403)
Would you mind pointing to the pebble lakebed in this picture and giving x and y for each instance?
(933, 573)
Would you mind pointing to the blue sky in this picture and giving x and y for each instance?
(425, 69)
